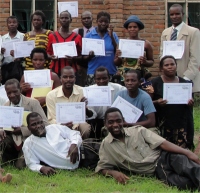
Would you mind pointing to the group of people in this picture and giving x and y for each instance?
(157, 144)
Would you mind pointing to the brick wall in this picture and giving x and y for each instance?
(152, 14)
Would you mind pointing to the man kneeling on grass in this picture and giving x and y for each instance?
(53, 146)
(140, 151)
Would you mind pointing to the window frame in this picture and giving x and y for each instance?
(33, 5)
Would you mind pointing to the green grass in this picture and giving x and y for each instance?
(83, 180)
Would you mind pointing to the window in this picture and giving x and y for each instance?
(23, 9)
(191, 9)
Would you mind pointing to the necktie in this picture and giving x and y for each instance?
(174, 35)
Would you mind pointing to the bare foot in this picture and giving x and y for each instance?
(7, 178)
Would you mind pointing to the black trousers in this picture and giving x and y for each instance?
(178, 170)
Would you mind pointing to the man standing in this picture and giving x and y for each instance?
(139, 99)
(53, 146)
(68, 92)
(13, 140)
(188, 67)
(137, 150)
(13, 34)
(86, 19)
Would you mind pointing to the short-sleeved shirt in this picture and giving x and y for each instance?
(107, 60)
(139, 153)
(142, 101)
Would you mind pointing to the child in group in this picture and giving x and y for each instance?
(38, 57)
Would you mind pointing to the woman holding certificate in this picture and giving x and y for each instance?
(171, 118)
(39, 35)
(133, 25)
(61, 54)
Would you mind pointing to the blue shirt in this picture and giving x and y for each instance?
(107, 60)
(142, 101)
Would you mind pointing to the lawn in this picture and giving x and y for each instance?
(83, 180)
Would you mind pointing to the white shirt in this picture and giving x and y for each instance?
(7, 37)
(52, 149)
(85, 30)
(2, 101)
(178, 28)
(115, 88)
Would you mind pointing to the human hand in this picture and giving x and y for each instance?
(48, 171)
(118, 53)
(193, 157)
(2, 135)
(142, 60)
(84, 99)
(3, 50)
(73, 153)
(161, 102)
(12, 53)
(70, 59)
(190, 102)
(91, 55)
(53, 57)
(17, 131)
(120, 177)
(68, 124)
(25, 86)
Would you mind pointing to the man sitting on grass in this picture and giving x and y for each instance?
(140, 151)
(53, 146)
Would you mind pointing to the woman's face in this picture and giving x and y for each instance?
(37, 21)
(133, 29)
(103, 23)
(38, 61)
(65, 19)
(169, 67)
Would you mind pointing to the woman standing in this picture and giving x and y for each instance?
(171, 118)
(111, 41)
(133, 25)
(39, 35)
(64, 35)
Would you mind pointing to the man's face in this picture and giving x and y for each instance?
(12, 24)
(86, 20)
(176, 15)
(114, 123)
(101, 78)
(68, 78)
(13, 93)
(65, 19)
(131, 81)
(36, 126)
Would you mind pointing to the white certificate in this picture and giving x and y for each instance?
(177, 93)
(11, 116)
(67, 112)
(8, 45)
(131, 48)
(23, 49)
(96, 45)
(130, 113)
(61, 50)
(71, 6)
(3, 93)
(98, 96)
(174, 48)
(37, 78)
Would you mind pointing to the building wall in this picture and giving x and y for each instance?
(152, 14)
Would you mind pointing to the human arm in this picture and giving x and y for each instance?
(2, 134)
(170, 147)
(160, 102)
(56, 80)
(51, 105)
(114, 37)
(147, 60)
(118, 59)
(50, 53)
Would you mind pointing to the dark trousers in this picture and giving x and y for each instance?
(190, 129)
(178, 170)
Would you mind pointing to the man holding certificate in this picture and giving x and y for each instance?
(139, 99)
(12, 141)
(68, 92)
(188, 65)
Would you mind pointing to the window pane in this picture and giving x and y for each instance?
(22, 10)
(48, 8)
(194, 15)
